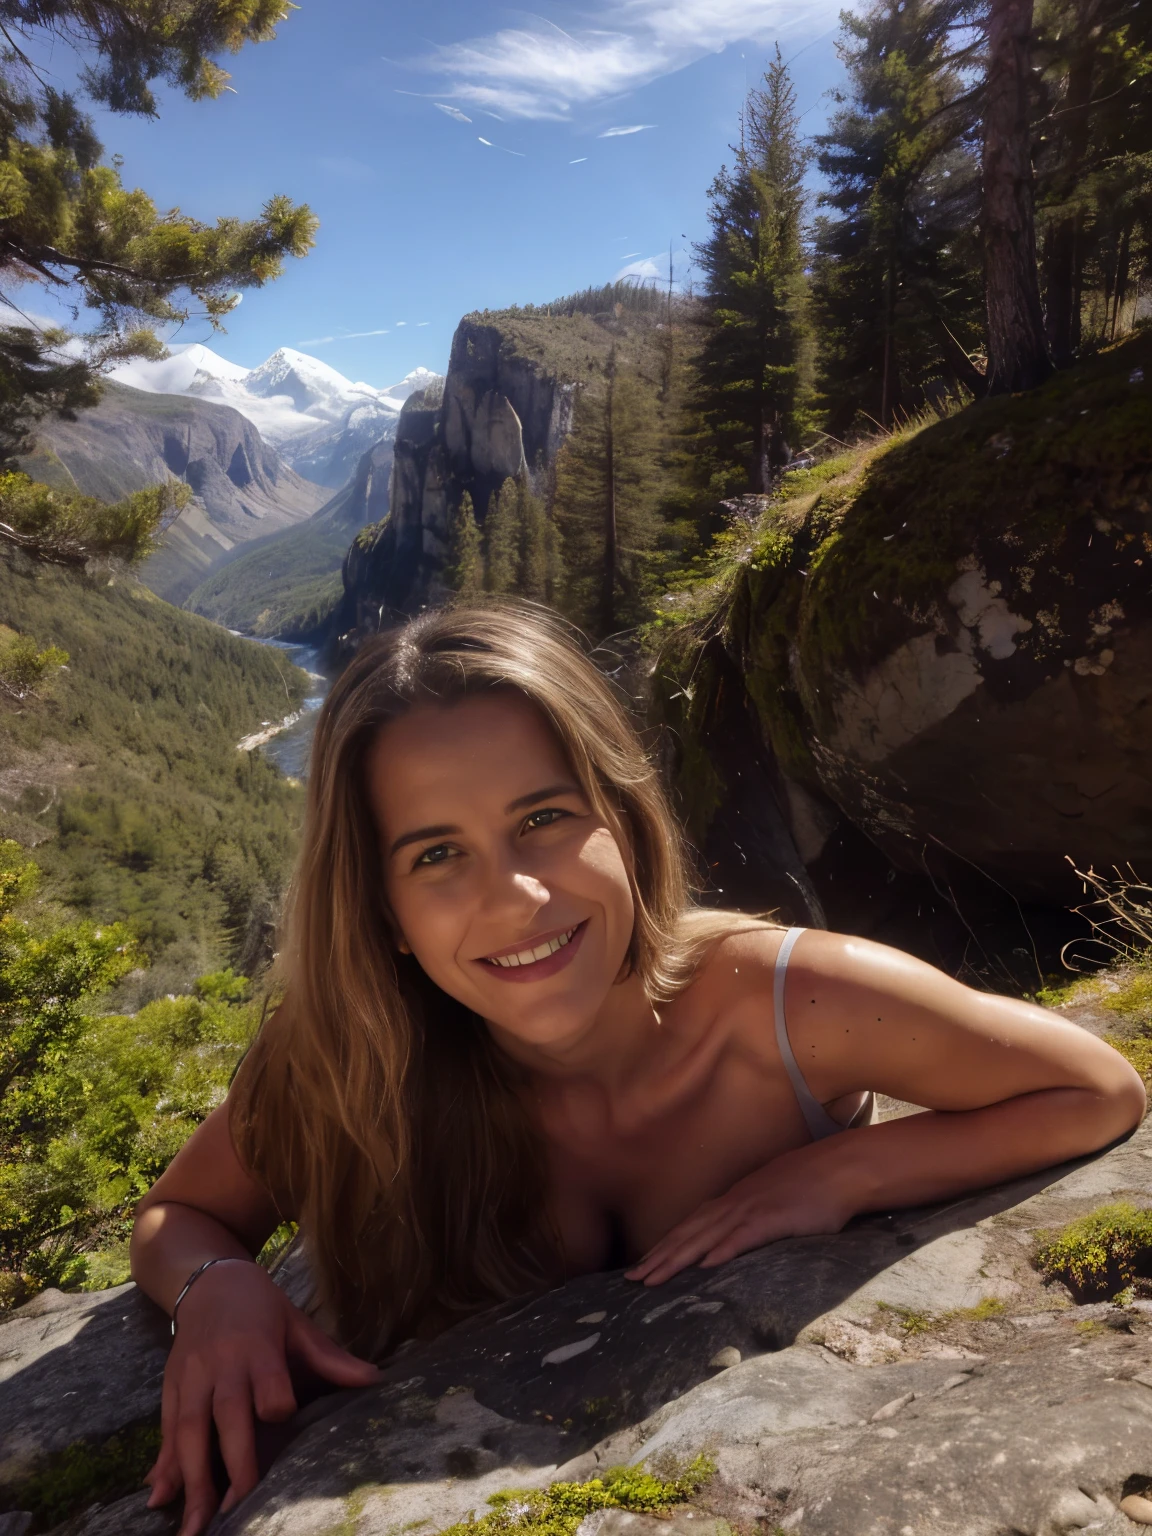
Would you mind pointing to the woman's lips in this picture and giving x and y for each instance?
(538, 970)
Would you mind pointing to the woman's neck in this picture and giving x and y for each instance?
(619, 1042)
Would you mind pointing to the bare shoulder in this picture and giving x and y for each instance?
(737, 965)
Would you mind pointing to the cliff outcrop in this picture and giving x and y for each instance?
(505, 407)
(944, 644)
(243, 489)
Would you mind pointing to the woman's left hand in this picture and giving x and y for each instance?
(782, 1199)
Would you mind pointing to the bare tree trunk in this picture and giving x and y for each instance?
(1062, 288)
(887, 402)
(608, 570)
(1123, 268)
(1017, 346)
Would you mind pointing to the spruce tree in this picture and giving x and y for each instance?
(502, 541)
(532, 521)
(464, 572)
(69, 222)
(609, 485)
(755, 326)
(897, 268)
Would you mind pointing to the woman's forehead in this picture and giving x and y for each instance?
(465, 749)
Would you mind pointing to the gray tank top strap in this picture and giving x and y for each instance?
(820, 1123)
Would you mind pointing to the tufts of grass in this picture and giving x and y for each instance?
(558, 1509)
(1100, 1254)
(69, 1481)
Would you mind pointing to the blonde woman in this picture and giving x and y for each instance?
(512, 1050)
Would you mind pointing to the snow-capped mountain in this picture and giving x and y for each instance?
(319, 421)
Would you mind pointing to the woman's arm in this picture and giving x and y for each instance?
(236, 1331)
(1010, 1089)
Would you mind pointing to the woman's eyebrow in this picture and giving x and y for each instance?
(419, 836)
(523, 801)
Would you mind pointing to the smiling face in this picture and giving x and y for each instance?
(510, 890)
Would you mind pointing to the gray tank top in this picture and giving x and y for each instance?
(820, 1123)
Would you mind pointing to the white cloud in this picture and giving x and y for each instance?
(419, 323)
(455, 112)
(581, 160)
(322, 341)
(620, 133)
(518, 153)
(541, 71)
(654, 269)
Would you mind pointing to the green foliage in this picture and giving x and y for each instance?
(24, 667)
(502, 541)
(559, 1508)
(69, 528)
(608, 501)
(752, 366)
(86, 1473)
(464, 572)
(626, 297)
(1099, 1254)
(898, 282)
(94, 1107)
(139, 804)
(70, 223)
(282, 588)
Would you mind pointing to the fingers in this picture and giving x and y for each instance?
(193, 1422)
(232, 1410)
(164, 1475)
(272, 1393)
(326, 1357)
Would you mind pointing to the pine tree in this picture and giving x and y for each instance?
(532, 521)
(607, 500)
(72, 226)
(464, 572)
(897, 270)
(752, 359)
(502, 541)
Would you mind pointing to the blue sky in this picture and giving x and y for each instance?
(604, 128)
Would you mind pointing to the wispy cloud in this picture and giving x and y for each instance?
(620, 133)
(654, 269)
(461, 117)
(419, 323)
(517, 152)
(581, 160)
(542, 71)
(323, 341)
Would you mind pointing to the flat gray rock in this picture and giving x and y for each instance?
(866, 1401)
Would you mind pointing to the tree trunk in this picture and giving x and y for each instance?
(608, 570)
(887, 402)
(1062, 288)
(1017, 346)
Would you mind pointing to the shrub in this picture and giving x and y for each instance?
(70, 528)
(1101, 1254)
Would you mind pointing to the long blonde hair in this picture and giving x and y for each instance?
(375, 1107)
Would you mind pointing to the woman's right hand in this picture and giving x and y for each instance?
(235, 1335)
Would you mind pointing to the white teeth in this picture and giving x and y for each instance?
(530, 956)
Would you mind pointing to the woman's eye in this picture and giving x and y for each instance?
(544, 818)
(436, 855)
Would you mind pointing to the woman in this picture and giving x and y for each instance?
(511, 1050)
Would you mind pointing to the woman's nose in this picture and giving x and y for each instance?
(520, 894)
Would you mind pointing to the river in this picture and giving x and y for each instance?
(289, 748)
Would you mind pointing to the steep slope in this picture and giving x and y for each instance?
(285, 586)
(124, 776)
(243, 489)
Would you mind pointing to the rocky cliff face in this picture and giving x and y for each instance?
(506, 406)
(946, 646)
(243, 489)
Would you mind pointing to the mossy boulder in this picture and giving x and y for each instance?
(950, 637)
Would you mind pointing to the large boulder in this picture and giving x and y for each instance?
(911, 1376)
(948, 640)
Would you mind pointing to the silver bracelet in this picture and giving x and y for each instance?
(231, 1258)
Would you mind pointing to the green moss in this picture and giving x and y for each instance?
(558, 1509)
(1099, 1254)
(85, 1473)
